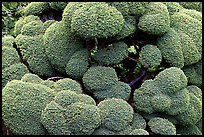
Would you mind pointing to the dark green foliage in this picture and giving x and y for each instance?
(194, 73)
(170, 48)
(192, 5)
(155, 20)
(113, 54)
(150, 56)
(78, 64)
(58, 5)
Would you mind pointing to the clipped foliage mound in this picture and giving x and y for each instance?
(104, 68)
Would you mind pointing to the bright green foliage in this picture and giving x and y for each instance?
(103, 131)
(31, 78)
(9, 56)
(150, 56)
(15, 71)
(46, 25)
(99, 78)
(48, 83)
(116, 114)
(33, 52)
(117, 90)
(99, 20)
(137, 9)
(8, 40)
(11, 66)
(67, 84)
(155, 20)
(189, 130)
(58, 5)
(22, 21)
(193, 113)
(123, 7)
(194, 73)
(188, 25)
(35, 8)
(113, 54)
(32, 28)
(128, 28)
(173, 7)
(139, 132)
(166, 93)
(61, 46)
(78, 64)
(22, 104)
(69, 11)
(192, 5)
(162, 126)
(170, 47)
(69, 114)
(193, 13)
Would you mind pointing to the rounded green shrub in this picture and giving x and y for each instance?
(116, 114)
(155, 20)
(113, 54)
(105, 21)
(150, 56)
(35, 8)
(22, 104)
(162, 126)
(78, 64)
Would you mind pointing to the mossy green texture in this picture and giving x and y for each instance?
(192, 5)
(31, 78)
(162, 126)
(150, 56)
(9, 56)
(70, 114)
(60, 47)
(165, 93)
(8, 40)
(99, 20)
(22, 21)
(119, 90)
(99, 78)
(22, 104)
(58, 5)
(155, 20)
(170, 47)
(67, 84)
(14, 71)
(116, 114)
(78, 64)
(113, 54)
(194, 73)
(33, 52)
(139, 132)
(35, 8)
